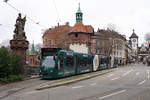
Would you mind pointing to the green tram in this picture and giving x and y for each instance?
(57, 63)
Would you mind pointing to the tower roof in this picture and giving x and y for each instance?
(79, 15)
(80, 27)
(79, 9)
(133, 35)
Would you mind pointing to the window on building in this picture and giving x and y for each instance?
(76, 35)
(114, 52)
(50, 42)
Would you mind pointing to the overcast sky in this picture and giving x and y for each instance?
(126, 15)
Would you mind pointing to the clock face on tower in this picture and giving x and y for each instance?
(134, 40)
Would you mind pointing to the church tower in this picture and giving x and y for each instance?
(134, 44)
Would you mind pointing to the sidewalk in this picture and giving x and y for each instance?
(72, 79)
(11, 88)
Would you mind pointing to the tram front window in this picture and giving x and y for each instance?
(48, 61)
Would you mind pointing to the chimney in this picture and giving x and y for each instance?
(67, 23)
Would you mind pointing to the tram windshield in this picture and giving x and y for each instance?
(48, 61)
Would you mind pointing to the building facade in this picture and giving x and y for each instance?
(114, 44)
(79, 37)
(143, 53)
(57, 36)
(100, 44)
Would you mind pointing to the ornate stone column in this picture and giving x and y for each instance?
(19, 44)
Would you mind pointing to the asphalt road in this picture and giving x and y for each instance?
(125, 83)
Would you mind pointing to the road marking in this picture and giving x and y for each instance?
(115, 78)
(148, 76)
(1, 97)
(142, 82)
(93, 84)
(77, 87)
(106, 96)
(137, 73)
(32, 92)
(127, 72)
(110, 75)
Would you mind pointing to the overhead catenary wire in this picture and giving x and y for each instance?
(37, 23)
(57, 11)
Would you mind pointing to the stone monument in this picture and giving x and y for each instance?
(19, 44)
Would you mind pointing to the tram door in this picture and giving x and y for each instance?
(69, 66)
(60, 67)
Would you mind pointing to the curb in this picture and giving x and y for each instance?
(82, 77)
(31, 77)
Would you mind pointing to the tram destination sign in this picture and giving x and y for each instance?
(49, 51)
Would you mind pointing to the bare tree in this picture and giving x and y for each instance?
(5, 43)
(147, 37)
(38, 47)
(111, 27)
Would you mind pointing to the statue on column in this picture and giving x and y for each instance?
(19, 27)
(19, 43)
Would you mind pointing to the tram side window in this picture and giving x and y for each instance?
(83, 62)
(61, 63)
(102, 61)
(69, 61)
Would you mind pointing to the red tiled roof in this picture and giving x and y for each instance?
(89, 29)
(79, 27)
(57, 30)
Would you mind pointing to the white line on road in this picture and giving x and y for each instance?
(110, 75)
(148, 76)
(127, 72)
(77, 87)
(31, 92)
(142, 82)
(112, 94)
(137, 73)
(93, 84)
(115, 78)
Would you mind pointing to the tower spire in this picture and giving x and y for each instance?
(32, 49)
(79, 15)
(133, 30)
(79, 9)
